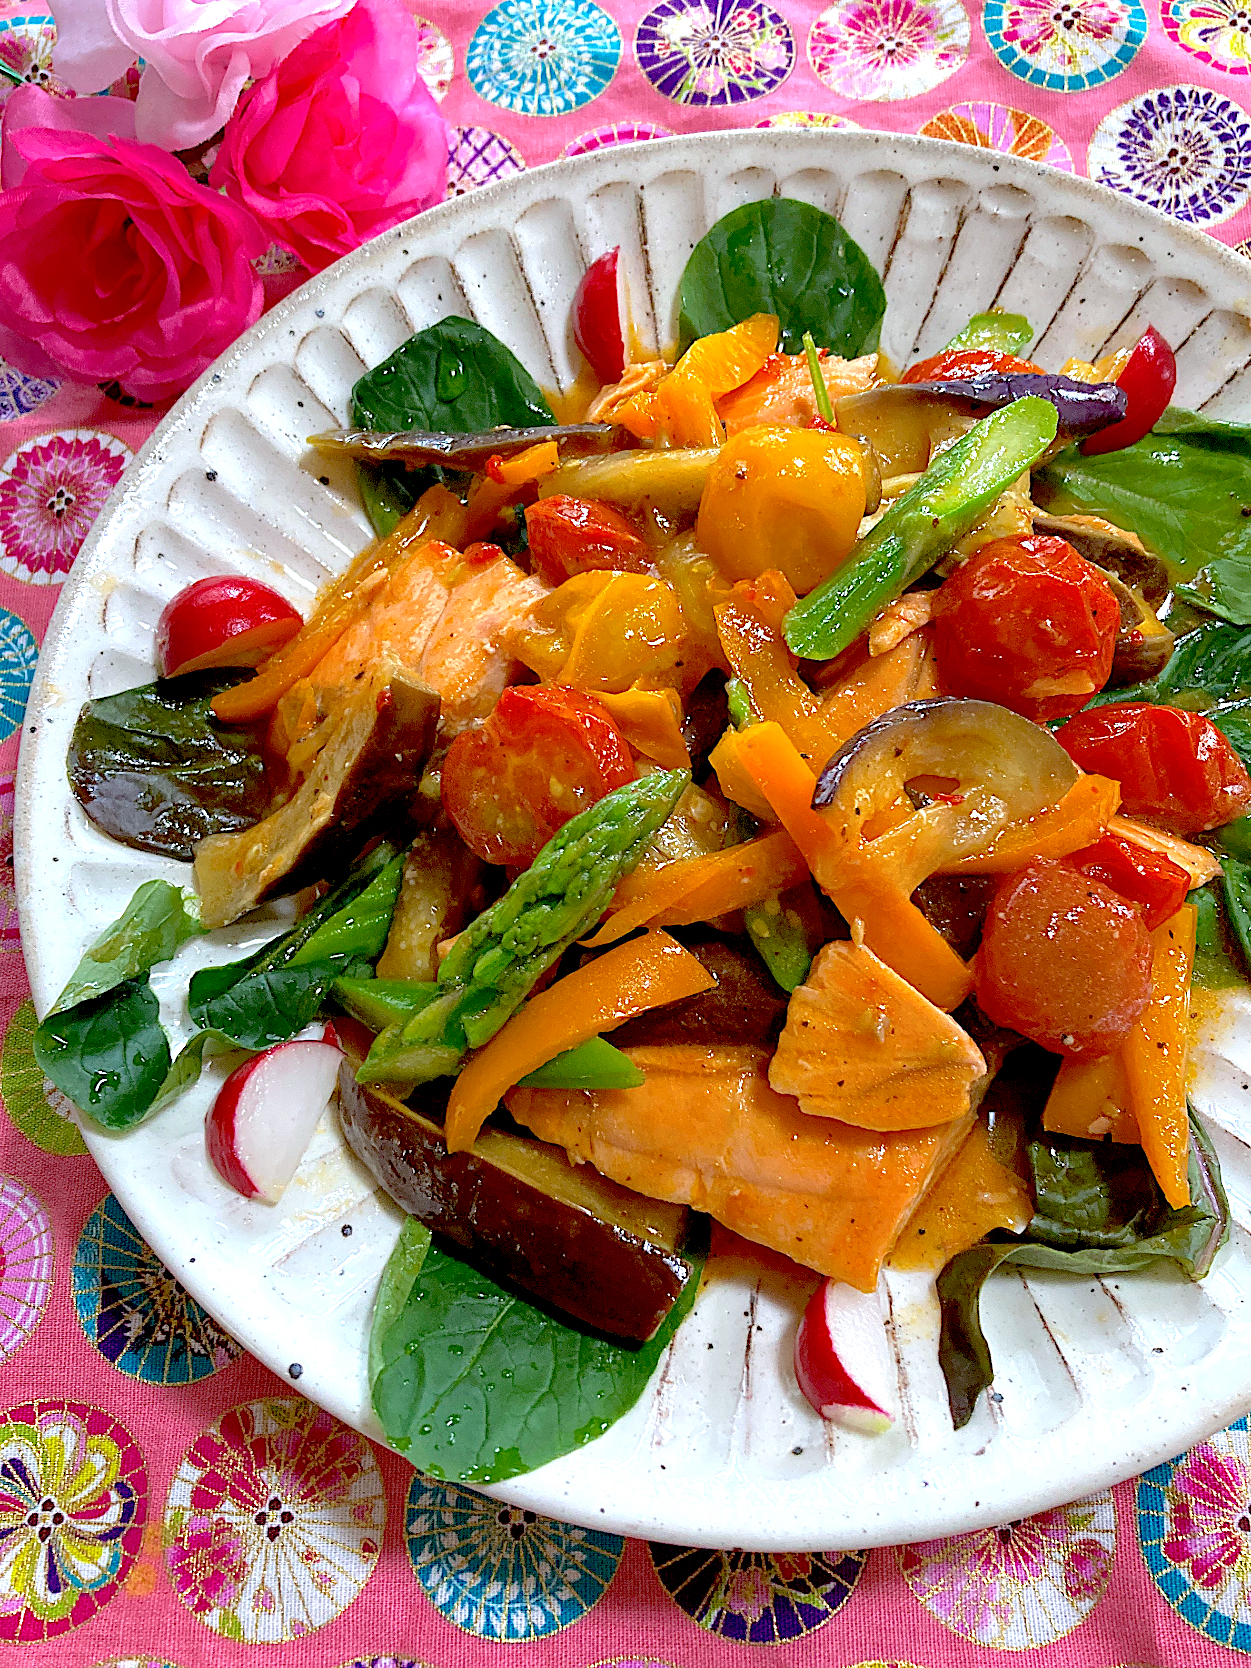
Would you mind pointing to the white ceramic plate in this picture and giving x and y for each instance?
(1098, 1379)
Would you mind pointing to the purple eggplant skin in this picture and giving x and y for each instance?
(461, 451)
(1083, 407)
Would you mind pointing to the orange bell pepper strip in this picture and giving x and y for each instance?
(1090, 1099)
(1075, 821)
(702, 888)
(646, 973)
(523, 468)
(1155, 1052)
(752, 642)
(891, 924)
(651, 722)
(681, 408)
(437, 514)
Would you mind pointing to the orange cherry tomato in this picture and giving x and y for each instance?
(1027, 623)
(961, 364)
(1147, 878)
(543, 755)
(1064, 960)
(224, 620)
(574, 535)
(1175, 768)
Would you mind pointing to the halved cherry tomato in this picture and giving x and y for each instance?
(1175, 768)
(1149, 378)
(1147, 878)
(601, 317)
(1027, 623)
(1064, 960)
(574, 535)
(224, 620)
(543, 755)
(961, 364)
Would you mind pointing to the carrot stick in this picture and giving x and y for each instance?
(645, 973)
(1155, 1057)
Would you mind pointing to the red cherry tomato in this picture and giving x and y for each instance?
(222, 621)
(601, 320)
(1149, 378)
(961, 364)
(573, 535)
(543, 755)
(1175, 768)
(1063, 960)
(1146, 878)
(1029, 624)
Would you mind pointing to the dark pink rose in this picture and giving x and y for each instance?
(114, 264)
(341, 140)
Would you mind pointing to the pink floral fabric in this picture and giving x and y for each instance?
(164, 1501)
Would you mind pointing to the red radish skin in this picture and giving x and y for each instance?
(601, 319)
(224, 620)
(265, 1113)
(843, 1359)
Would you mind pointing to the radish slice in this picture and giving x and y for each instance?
(843, 1360)
(265, 1114)
(601, 317)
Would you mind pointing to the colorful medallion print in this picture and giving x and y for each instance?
(1194, 1526)
(133, 1310)
(1184, 150)
(1218, 32)
(51, 490)
(25, 1264)
(807, 118)
(543, 57)
(998, 127)
(18, 653)
(614, 133)
(383, 1662)
(436, 63)
(26, 44)
(36, 1108)
(476, 156)
(757, 1598)
(10, 930)
(274, 1521)
(888, 49)
(73, 1499)
(498, 1571)
(1022, 1585)
(1065, 46)
(19, 393)
(717, 53)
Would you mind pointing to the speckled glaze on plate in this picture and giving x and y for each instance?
(1098, 1380)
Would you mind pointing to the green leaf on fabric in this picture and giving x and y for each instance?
(475, 1384)
(783, 257)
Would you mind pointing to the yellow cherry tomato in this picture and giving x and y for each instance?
(783, 498)
(602, 632)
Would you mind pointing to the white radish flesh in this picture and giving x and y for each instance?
(843, 1358)
(265, 1113)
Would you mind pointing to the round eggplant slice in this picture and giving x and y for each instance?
(985, 766)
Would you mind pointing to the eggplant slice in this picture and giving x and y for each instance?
(470, 452)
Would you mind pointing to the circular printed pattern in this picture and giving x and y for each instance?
(614, 133)
(51, 490)
(18, 653)
(10, 930)
(19, 393)
(543, 57)
(36, 1108)
(1218, 32)
(26, 51)
(758, 1598)
(476, 156)
(137, 1662)
(808, 118)
(25, 1264)
(998, 127)
(500, 1572)
(888, 49)
(1065, 46)
(436, 63)
(134, 1311)
(274, 1521)
(384, 1662)
(1023, 1585)
(714, 52)
(1194, 1526)
(1184, 150)
(73, 1499)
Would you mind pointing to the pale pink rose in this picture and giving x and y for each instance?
(31, 106)
(199, 54)
(115, 265)
(341, 141)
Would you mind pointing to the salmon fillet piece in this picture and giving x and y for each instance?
(470, 655)
(781, 391)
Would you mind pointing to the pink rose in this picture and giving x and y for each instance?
(115, 264)
(341, 141)
(199, 54)
(29, 106)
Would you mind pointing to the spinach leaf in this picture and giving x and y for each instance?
(784, 257)
(154, 768)
(270, 1006)
(454, 378)
(1236, 895)
(1215, 968)
(1185, 489)
(1098, 1212)
(153, 924)
(473, 1383)
(398, 1279)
